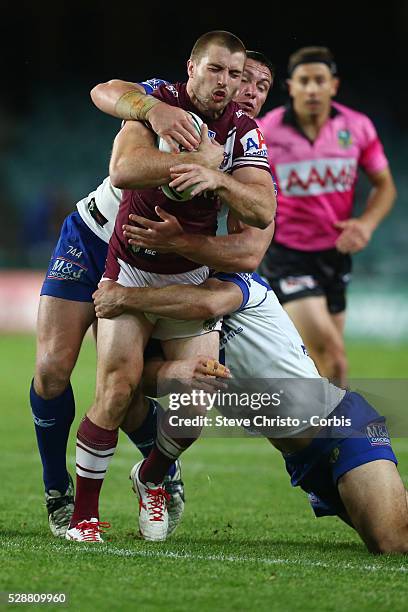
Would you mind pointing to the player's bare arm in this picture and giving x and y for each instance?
(212, 299)
(129, 101)
(106, 96)
(136, 163)
(357, 232)
(249, 192)
(243, 248)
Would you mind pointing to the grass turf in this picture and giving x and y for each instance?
(248, 541)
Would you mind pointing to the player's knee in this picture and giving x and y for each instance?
(115, 396)
(323, 346)
(335, 348)
(387, 544)
(52, 375)
(333, 354)
(339, 362)
(392, 538)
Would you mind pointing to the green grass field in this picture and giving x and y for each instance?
(248, 541)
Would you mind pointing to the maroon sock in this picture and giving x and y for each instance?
(86, 500)
(157, 464)
(94, 449)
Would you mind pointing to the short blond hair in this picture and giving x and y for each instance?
(217, 37)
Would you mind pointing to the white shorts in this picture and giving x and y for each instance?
(164, 327)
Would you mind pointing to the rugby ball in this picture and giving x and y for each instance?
(178, 196)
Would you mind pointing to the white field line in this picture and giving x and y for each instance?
(185, 556)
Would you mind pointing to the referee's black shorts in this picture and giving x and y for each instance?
(295, 274)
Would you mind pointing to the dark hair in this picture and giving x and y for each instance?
(309, 55)
(221, 37)
(257, 56)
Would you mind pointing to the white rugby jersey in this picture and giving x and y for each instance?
(99, 209)
(259, 341)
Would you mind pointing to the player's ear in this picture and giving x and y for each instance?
(288, 83)
(335, 85)
(190, 68)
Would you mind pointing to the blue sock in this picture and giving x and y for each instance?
(52, 421)
(145, 436)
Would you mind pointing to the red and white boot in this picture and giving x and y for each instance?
(87, 531)
(153, 499)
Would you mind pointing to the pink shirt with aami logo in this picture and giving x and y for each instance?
(316, 181)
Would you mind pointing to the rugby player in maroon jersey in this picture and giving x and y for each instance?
(215, 70)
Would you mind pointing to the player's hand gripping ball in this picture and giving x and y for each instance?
(173, 194)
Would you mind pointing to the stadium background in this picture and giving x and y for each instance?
(54, 149)
(55, 145)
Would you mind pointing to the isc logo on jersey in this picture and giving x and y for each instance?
(253, 143)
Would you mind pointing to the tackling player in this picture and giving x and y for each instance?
(316, 147)
(342, 468)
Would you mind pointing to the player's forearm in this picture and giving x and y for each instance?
(233, 253)
(139, 168)
(145, 167)
(159, 376)
(379, 203)
(175, 301)
(117, 98)
(254, 204)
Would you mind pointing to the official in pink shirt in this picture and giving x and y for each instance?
(315, 149)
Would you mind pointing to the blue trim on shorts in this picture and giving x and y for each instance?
(77, 263)
(318, 467)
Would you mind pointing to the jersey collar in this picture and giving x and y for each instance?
(289, 117)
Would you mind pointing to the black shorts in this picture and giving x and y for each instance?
(296, 274)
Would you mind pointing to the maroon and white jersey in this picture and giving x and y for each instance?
(244, 146)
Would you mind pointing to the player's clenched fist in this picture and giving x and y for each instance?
(109, 300)
(174, 125)
(355, 235)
